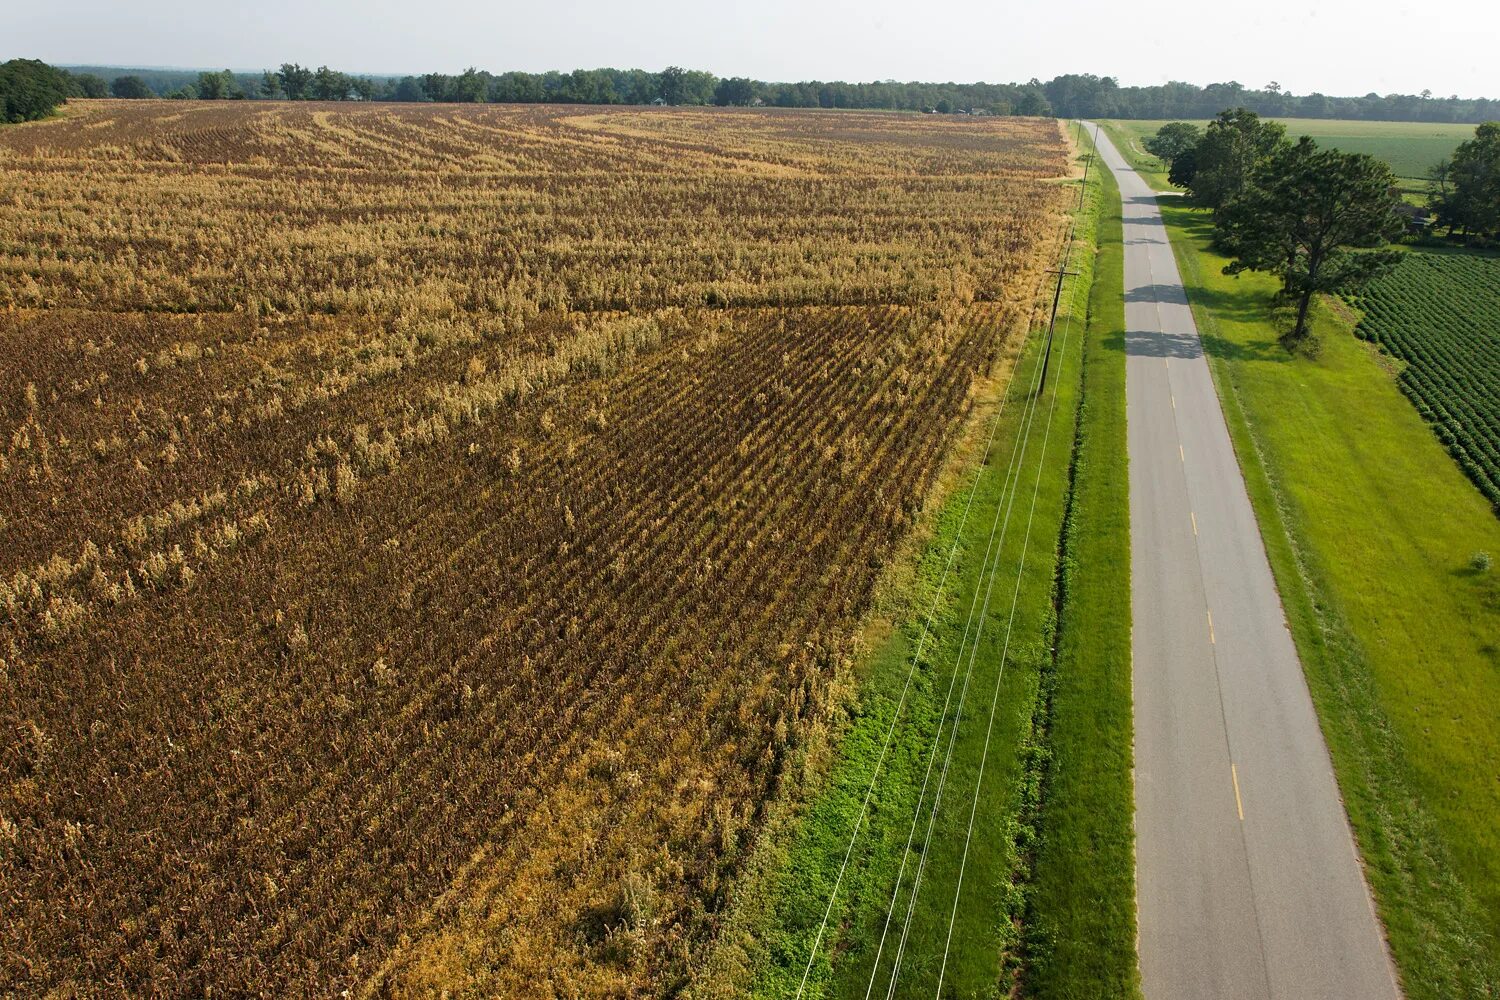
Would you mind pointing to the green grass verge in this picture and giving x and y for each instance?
(766, 937)
(1081, 928)
(1369, 527)
(1128, 137)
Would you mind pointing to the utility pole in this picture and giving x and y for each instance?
(1088, 159)
(1052, 323)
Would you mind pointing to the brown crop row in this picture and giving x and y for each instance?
(425, 532)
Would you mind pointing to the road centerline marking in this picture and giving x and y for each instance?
(1238, 950)
(1211, 628)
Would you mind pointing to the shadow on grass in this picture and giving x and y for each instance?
(1114, 341)
(1245, 309)
(1229, 304)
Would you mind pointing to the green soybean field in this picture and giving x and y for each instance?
(1439, 313)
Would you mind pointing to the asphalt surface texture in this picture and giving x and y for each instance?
(1249, 884)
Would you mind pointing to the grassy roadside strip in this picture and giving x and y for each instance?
(1366, 522)
(1127, 139)
(1081, 924)
(766, 935)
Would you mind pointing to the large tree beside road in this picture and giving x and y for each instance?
(1315, 218)
(1218, 166)
(1172, 140)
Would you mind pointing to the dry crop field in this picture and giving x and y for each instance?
(425, 532)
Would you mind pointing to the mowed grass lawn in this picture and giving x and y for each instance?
(1411, 148)
(1371, 529)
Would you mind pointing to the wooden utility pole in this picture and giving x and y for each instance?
(1088, 160)
(1052, 324)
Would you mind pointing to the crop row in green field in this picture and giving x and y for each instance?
(1440, 313)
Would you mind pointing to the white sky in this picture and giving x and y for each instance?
(1338, 47)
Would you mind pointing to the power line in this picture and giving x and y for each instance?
(977, 614)
(973, 651)
(1009, 629)
(1009, 489)
(1012, 474)
(906, 687)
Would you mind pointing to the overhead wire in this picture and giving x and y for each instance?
(911, 672)
(1028, 421)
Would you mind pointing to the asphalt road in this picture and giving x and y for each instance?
(1248, 880)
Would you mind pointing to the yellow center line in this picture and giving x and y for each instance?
(1195, 521)
(1181, 454)
(1211, 628)
(1239, 805)
(1174, 401)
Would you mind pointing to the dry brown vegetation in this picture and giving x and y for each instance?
(426, 531)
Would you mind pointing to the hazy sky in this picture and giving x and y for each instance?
(1339, 47)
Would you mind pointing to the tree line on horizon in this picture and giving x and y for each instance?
(1067, 96)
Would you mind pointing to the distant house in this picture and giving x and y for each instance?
(1418, 219)
(659, 102)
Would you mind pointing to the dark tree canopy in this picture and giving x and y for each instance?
(1033, 103)
(329, 85)
(738, 90)
(671, 84)
(130, 87)
(1228, 153)
(270, 86)
(89, 85)
(1172, 140)
(410, 90)
(1314, 218)
(469, 87)
(219, 86)
(29, 90)
(296, 81)
(1467, 196)
(1184, 166)
(1071, 95)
